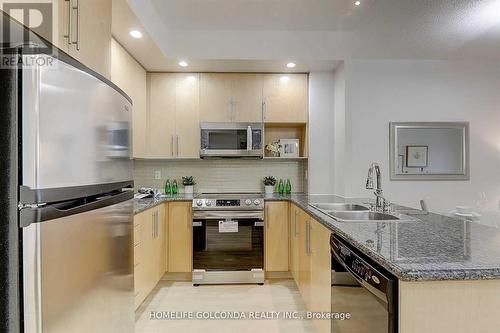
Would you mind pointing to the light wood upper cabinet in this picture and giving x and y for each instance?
(187, 144)
(130, 76)
(89, 38)
(161, 115)
(246, 97)
(180, 241)
(231, 97)
(320, 287)
(276, 237)
(285, 98)
(95, 35)
(215, 97)
(173, 115)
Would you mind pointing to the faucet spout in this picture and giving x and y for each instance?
(381, 202)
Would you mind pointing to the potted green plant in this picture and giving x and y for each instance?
(269, 183)
(188, 182)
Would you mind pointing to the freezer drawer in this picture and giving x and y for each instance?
(78, 272)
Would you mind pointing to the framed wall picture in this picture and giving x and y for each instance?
(417, 156)
(289, 148)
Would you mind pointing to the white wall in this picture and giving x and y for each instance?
(380, 91)
(339, 141)
(321, 133)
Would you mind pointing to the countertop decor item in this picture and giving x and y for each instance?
(188, 182)
(273, 149)
(289, 147)
(269, 183)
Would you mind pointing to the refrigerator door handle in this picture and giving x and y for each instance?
(46, 212)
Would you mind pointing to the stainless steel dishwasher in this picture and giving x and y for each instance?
(362, 289)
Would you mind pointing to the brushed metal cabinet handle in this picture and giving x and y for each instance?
(69, 25)
(78, 25)
(172, 145)
(264, 110)
(177, 145)
(295, 233)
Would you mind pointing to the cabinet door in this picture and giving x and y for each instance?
(187, 119)
(160, 241)
(276, 237)
(294, 241)
(285, 98)
(215, 97)
(91, 34)
(320, 299)
(139, 278)
(246, 97)
(304, 257)
(130, 76)
(161, 114)
(180, 248)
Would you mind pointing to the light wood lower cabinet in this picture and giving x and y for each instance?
(149, 263)
(294, 241)
(180, 241)
(304, 271)
(276, 237)
(320, 283)
(310, 263)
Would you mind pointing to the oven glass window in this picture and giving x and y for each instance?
(239, 250)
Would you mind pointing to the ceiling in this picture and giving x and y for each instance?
(262, 35)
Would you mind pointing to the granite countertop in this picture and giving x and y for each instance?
(144, 204)
(429, 248)
(426, 248)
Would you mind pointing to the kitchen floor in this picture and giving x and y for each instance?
(275, 295)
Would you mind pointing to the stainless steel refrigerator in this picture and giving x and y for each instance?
(67, 171)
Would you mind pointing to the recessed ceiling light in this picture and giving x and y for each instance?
(291, 65)
(183, 63)
(357, 3)
(136, 33)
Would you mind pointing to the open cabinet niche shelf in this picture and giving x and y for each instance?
(275, 131)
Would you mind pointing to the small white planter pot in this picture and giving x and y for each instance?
(269, 189)
(188, 189)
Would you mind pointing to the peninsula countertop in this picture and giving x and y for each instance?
(429, 247)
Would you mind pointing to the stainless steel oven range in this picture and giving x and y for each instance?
(228, 239)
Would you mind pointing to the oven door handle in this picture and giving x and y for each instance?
(223, 215)
(377, 293)
(249, 138)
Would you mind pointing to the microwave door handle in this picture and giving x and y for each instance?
(249, 138)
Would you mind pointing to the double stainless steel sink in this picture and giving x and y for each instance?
(350, 212)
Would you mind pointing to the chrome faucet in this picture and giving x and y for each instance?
(381, 204)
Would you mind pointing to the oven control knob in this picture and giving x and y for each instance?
(375, 279)
(208, 203)
(248, 202)
(256, 202)
(199, 202)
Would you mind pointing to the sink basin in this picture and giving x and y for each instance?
(361, 216)
(340, 207)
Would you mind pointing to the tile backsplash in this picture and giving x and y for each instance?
(221, 175)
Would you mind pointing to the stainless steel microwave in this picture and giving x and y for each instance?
(231, 140)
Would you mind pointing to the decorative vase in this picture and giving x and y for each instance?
(188, 189)
(269, 189)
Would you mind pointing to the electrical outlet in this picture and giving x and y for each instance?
(157, 174)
